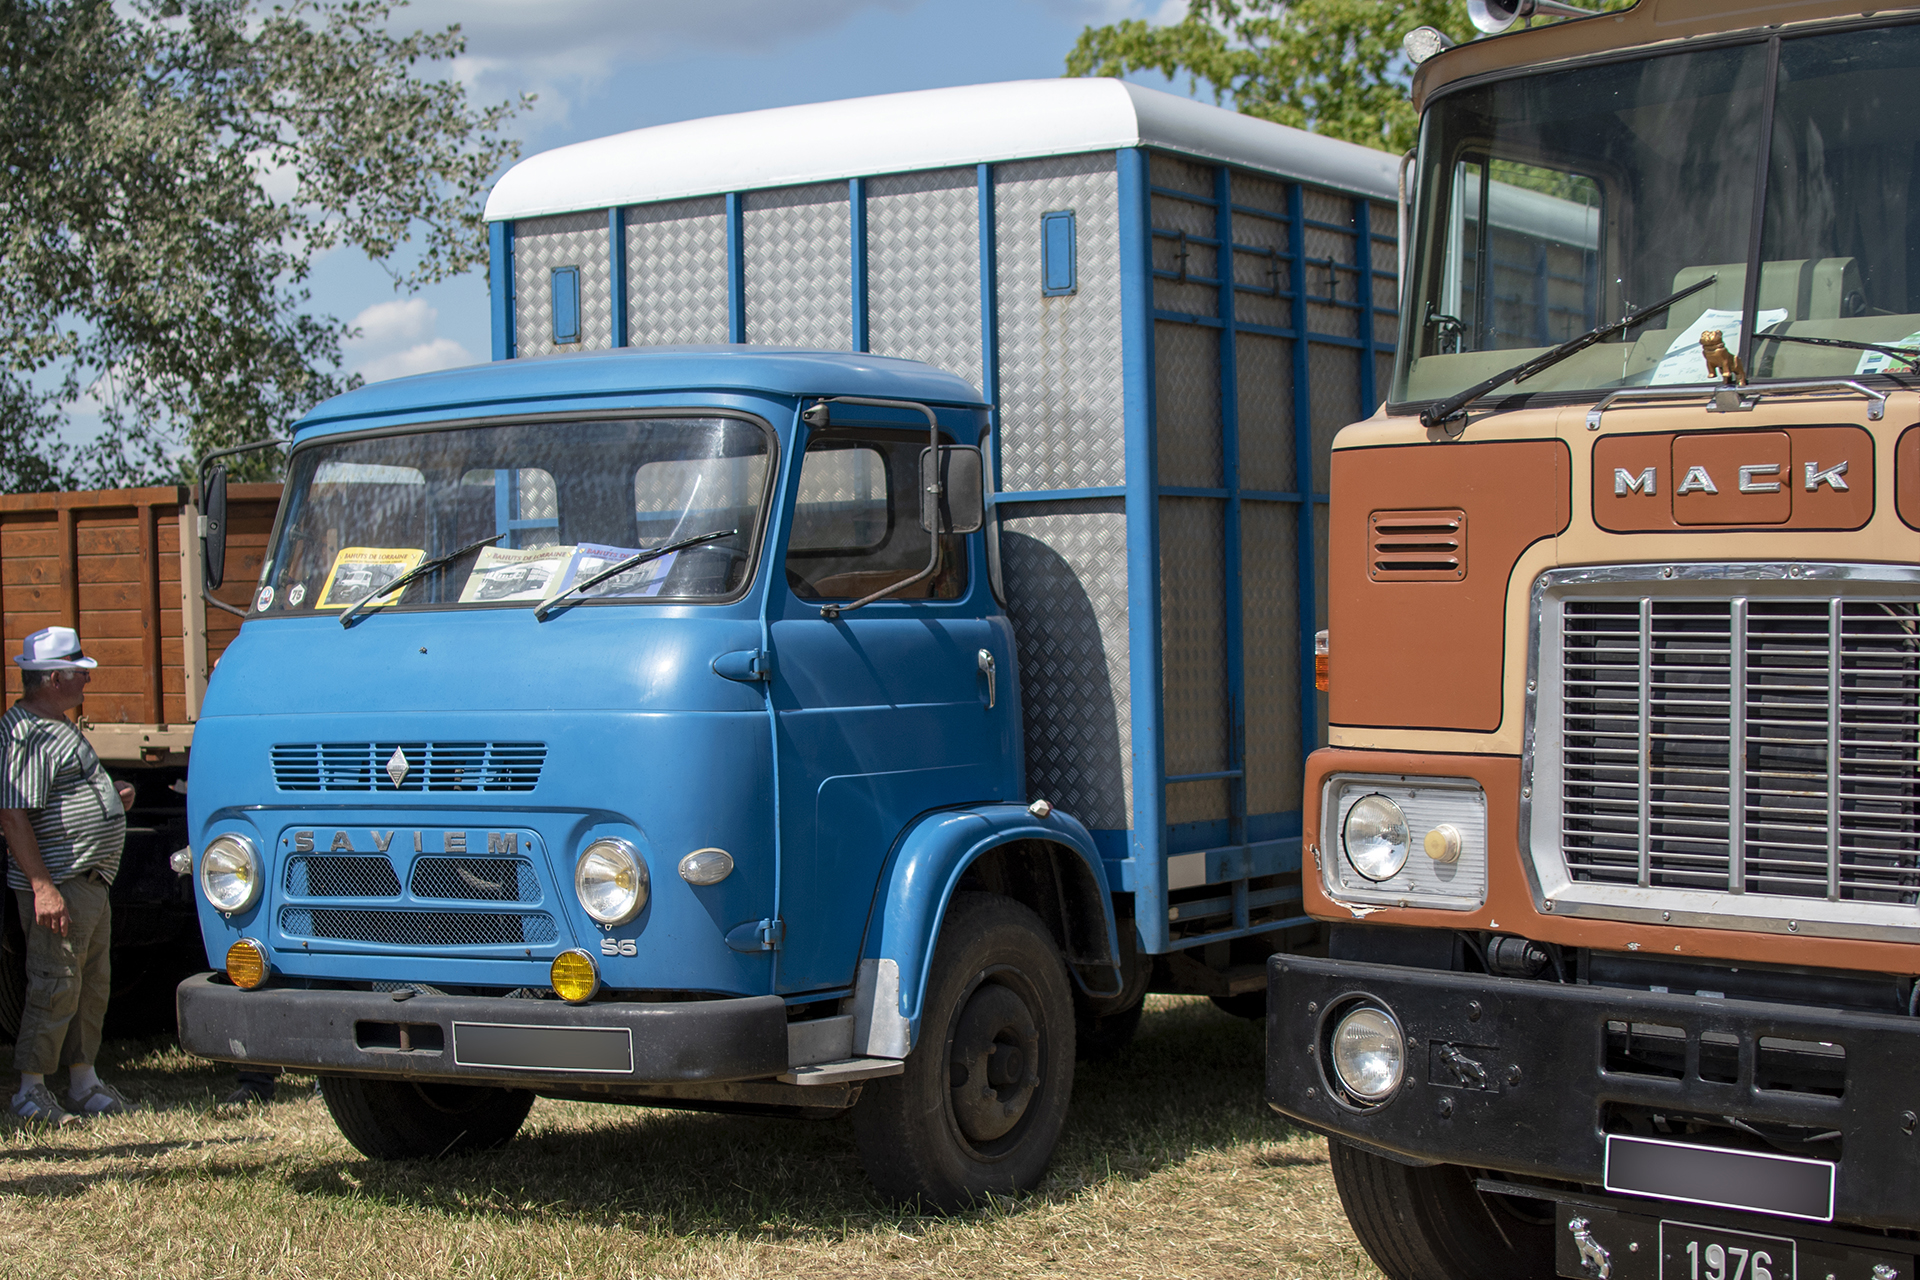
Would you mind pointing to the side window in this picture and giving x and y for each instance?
(856, 522)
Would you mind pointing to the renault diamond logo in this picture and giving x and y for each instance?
(397, 767)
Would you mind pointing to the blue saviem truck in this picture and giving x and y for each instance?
(850, 645)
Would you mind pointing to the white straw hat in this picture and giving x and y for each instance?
(54, 649)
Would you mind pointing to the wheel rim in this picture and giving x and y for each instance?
(995, 1059)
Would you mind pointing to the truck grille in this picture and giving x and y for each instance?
(399, 928)
(1761, 743)
(431, 766)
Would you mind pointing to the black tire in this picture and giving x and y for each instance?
(1433, 1224)
(998, 989)
(1251, 1005)
(13, 969)
(408, 1120)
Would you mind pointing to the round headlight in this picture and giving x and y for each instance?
(706, 866)
(230, 873)
(1375, 837)
(1369, 1053)
(611, 881)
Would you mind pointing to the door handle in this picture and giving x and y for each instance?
(987, 669)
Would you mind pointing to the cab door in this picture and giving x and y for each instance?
(886, 711)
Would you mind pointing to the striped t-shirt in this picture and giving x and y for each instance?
(47, 768)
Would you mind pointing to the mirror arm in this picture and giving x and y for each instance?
(218, 603)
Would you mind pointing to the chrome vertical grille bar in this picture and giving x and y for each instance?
(1833, 749)
(1646, 741)
(1737, 749)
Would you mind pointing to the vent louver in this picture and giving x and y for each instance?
(432, 766)
(1417, 546)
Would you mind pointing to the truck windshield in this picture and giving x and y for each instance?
(1551, 203)
(565, 499)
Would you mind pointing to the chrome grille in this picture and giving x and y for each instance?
(399, 928)
(1747, 742)
(431, 766)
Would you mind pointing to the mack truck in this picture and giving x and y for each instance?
(1616, 831)
(853, 641)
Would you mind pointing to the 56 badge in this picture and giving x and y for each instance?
(619, 947)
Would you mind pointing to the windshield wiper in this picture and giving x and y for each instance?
(414, 575)
(541, 610)
(1910, 356)
(1435, 414)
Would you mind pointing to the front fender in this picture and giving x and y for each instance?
(926, 868)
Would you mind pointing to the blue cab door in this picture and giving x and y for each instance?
(883, 711)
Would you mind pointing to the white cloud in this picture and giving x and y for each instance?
(397, 338)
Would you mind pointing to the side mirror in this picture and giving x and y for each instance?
(961, 476)
(213, 526)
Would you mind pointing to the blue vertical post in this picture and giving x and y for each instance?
(1305, 604)
(736, 270)
(500, 287)
(1148, 840)
(989, 312)
(617, 260)
(1233, 607)
(857, 208)
(1363, 259)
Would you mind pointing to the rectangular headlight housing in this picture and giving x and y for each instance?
(1429, 805)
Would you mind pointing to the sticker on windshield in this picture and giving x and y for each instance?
(501, 573)
(1685, 362)
(360, 572)
(590, 558)
(295, 594)
(1877, 361)
(264, 601)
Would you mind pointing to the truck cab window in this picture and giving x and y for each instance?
(856, 522)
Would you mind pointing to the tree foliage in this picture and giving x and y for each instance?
(1332, 66)
(169, 170)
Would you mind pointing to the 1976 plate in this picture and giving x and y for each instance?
(1689, 1252)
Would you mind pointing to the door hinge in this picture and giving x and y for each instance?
(749, 666)
(758, 935)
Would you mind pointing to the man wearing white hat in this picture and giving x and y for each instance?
(65, 823)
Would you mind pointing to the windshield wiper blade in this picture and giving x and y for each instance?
(1908, 355)
(414, 575)
(1435, 414)
(541, 610)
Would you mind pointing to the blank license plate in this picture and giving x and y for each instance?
(1688, 1252)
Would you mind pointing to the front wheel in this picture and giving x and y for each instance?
(408, 1120)
(1434, 1224)
(984, 1094)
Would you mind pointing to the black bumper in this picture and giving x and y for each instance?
(1538, 1091)
(531, 1042)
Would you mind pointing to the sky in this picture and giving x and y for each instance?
(605, 66)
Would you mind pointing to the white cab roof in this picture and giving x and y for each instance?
(927, 129)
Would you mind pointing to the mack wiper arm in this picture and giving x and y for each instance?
(1910, 356)
(541, 610)
(1435, 414)
(414, 575)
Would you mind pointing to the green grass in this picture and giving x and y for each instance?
(1171, 1166)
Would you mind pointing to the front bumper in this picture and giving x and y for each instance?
(477, 1038)
(1546, 1095)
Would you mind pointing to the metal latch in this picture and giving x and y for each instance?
(987, 670)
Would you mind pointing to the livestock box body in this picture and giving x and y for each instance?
(1172, 308)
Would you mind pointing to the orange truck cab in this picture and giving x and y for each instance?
(1618, 827)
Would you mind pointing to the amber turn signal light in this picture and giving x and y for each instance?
(247, 964)
(574, 976)
(1320, 661)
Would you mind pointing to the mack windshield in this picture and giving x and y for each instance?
(551, 505)
(1553, 203)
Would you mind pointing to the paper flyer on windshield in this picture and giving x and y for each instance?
(1877, 361)
(590, 558)
(1685, 362)
(502, 573)
(359, 572)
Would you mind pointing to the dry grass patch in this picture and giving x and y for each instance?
(1171, 1166)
